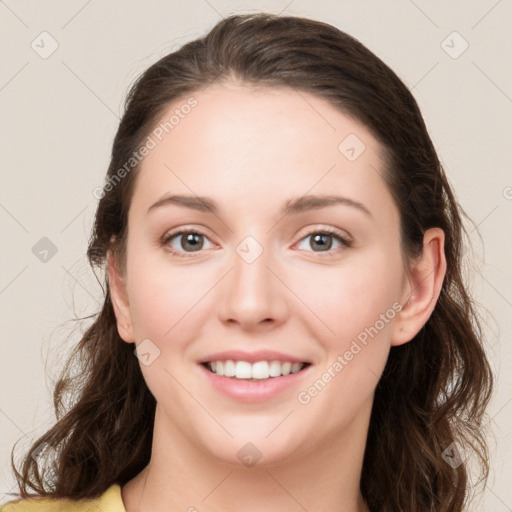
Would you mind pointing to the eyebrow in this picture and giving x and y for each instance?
(291, 206)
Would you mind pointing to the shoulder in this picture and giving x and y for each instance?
(109, 501)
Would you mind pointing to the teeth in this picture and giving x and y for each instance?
(229, 368)
(274, 369)
(286, 368)
(242, 370)
(259, 370)
(296, 367)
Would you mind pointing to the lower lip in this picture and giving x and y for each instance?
(253, 390)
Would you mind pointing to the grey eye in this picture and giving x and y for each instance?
(321, 242)
(187, 241)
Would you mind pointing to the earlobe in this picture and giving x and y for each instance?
(119, 297)
(423, 288)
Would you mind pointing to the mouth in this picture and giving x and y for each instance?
(257, 371)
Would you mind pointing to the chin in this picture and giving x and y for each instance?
(258, 453)
(252, 445)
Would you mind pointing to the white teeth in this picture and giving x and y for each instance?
(259, 370)
(286, 368)
(275, 369)
(296, 367)
(243, 370)
(229, 368)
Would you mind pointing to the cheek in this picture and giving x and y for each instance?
(350, 298)
(164, 295)
(357, 313)
(168, 305)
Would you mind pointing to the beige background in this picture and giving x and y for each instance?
(59, 118)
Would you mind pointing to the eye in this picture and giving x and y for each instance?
(190, 241)
(187, 241)
(323, 240)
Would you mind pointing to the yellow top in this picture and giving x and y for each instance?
(109, 501)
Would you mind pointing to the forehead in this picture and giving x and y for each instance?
(250, 145)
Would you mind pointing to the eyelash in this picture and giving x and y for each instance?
(345, 242)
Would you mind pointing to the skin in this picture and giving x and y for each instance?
(251, 149)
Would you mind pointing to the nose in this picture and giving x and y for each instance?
(253, 295)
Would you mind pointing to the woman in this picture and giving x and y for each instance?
(283, 257)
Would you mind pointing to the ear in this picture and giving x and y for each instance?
(119, 297)
(423, 287)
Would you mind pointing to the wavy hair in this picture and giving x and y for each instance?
(434, 389)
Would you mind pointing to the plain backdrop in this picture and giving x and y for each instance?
(66, 68)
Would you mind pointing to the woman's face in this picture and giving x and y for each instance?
(257, 283)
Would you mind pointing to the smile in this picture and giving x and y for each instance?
(258, 370)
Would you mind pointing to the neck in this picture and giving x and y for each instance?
(182, 477)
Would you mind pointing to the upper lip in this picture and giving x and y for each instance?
(252, 357)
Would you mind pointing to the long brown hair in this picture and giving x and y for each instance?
(434, 389)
